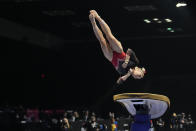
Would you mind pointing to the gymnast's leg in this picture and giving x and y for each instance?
(114, 43)
(107, 50)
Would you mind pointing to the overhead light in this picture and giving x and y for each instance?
(155, 19)
(169, 28)
(181, 4)
(147, 21)
(172, 31)
(159, 21)
(168, 20)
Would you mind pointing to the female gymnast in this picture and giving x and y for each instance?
(125, 63)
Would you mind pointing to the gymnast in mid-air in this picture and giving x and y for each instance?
(142, 106)
(127, 64)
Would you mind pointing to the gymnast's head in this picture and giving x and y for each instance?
(138, 72)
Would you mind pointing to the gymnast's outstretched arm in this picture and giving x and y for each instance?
(124, 78)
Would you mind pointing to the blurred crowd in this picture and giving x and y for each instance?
(19, 118)
(177, 122)
(35, 119)
(181, 121)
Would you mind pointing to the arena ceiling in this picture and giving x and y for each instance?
(128, 19)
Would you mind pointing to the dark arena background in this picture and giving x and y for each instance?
(52, 66)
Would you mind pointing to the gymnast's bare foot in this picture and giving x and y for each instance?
(95, 13)
(92, 18)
